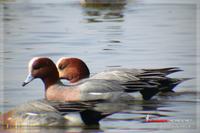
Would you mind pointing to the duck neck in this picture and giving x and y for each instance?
(50, 80)
(79, 74)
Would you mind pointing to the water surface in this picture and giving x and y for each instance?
(140, 34)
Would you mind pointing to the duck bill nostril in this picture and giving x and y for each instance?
(28, 79)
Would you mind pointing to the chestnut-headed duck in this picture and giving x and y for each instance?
(49, 114)
(74, 69)
(85, 90)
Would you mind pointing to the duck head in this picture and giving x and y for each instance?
(43, 68)
(72, 69)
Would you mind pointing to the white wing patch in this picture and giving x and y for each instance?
(32, 114)
(31, 63)
(96, 93)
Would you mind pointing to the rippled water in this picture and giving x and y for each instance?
(141, 34)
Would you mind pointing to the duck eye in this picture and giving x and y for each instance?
(37, 67)
(61, 67)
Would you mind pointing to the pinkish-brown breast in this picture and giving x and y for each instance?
(61, 93)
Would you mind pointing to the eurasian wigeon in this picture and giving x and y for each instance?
(74, 70)
(86, 90)
(46, 113)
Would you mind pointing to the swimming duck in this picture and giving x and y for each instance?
(85, 90)
(74, 70)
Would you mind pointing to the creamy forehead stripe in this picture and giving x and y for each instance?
(58, 62)
(31, 63)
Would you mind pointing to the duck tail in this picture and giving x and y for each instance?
(151, 85)
(166, 85)
(170, 83)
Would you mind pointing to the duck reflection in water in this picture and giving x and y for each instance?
(110, 18)
(98, 12)
(59, 114)
(44, 113)
(102, 2)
